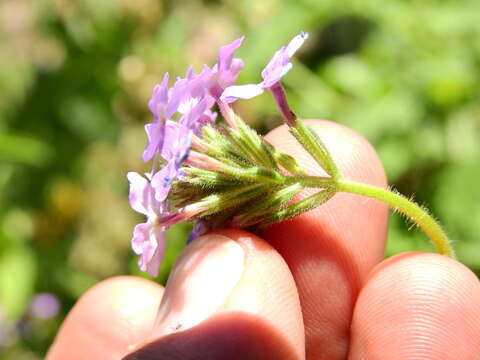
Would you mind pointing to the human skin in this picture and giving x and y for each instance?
(315, 287)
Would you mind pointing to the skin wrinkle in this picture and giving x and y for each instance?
(418, 306)
(325, 325)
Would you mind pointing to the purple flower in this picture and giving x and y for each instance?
(148, 239)
(170, 139)
(175, 149)
(278, 66)
(44, 305)
(224, 73)
(189, 102)
(192, 97)
(227, 68)
(163, 104)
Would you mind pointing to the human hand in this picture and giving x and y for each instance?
(233, 295)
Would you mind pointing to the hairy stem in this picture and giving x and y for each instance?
(415, 213)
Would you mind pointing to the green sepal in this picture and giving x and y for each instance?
(315, 147)
(286, 161)
(302, 206)
(219, 147)
(208, 178)
(231, 198)
(257, 147)
(274, 201)
(255, 174)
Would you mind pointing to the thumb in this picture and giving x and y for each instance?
(230, 296)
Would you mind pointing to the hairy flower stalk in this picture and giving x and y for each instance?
(225, 174)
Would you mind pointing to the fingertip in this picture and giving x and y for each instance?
(418, 305)
(108, 319)
(357, 224)
(331, 249)
(228, 289)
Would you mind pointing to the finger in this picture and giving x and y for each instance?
(108, 320)
(331, 249)
(418, 306)
(230, 296)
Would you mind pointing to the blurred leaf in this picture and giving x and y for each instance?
(458, 202)
(24, 149)
(402, 237)
(17, 279)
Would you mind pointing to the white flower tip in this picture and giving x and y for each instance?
(132, 176)
(247, 91)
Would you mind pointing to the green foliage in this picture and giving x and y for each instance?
(75, 77)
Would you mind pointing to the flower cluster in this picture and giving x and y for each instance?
(224, 174)
(196, 165)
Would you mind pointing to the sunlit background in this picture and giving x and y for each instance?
(75, 77)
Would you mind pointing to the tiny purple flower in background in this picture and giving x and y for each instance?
(148, 239)
(278, 66)
(45, 305)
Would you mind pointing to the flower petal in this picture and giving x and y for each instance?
(296, 43)
(155, 261)
(139, 193)
(159, 97)
(140, 237)
(148, 242)
(162, 180)
(247, 91)
(155, 133)
(280, 64)
(225, 54)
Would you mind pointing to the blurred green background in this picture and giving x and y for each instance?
(75, 77)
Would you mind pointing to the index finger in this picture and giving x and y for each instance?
(331, 249)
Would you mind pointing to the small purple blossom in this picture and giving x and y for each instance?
(192, 97)
(176, 147)
(45, 305)
(278, 66)
(187, 97)
(163, 104)
(226, 71)
(148, 238)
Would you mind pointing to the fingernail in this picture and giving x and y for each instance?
(200, 282)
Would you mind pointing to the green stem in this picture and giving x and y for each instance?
(414, 212)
